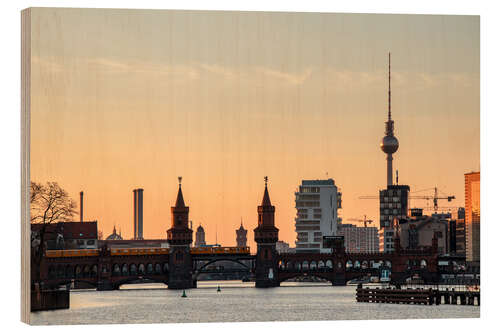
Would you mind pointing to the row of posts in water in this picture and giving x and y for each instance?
(426, 296)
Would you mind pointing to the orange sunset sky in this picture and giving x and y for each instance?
(123, 99)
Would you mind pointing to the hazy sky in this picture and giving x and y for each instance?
(124, 99)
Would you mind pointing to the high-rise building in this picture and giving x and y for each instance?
(359, 239)
(393, 204)
(200, 237)
(241, 236)
(317, 203)
(459, 217)
(472, 215)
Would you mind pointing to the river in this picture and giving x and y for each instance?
(236, 302)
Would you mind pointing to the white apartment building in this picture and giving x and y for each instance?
(317, 202)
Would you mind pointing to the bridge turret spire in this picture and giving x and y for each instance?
(266, 201)
(179, 203)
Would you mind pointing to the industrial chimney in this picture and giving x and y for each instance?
(138, 195)
(139, 213)
(81, 206)
(135, 214)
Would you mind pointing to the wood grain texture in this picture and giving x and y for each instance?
(25, 159)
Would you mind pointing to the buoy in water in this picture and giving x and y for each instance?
(183, 293)
(218, 288)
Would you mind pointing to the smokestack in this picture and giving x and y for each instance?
(81, 206)
(135, 214)
(139, 213)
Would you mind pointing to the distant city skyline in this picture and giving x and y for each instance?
(226, 98)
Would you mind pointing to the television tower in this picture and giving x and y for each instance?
(389, 144)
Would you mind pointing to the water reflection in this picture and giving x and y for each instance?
(237, 301)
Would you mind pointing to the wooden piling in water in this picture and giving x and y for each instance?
(416, 296)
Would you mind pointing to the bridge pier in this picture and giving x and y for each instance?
(454, 297)
(339, 281)
(180, 272)
(446, 297)
(470, 299)
(106, 285)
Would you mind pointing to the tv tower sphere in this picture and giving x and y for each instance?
(389, 144)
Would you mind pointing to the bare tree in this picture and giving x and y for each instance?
(49, 203)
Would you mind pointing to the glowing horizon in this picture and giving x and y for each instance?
(125, 99)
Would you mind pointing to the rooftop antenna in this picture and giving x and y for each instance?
(180, 181)
(241, 220)
(266, 179)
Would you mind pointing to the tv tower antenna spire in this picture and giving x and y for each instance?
(389, 86)
(389, 144)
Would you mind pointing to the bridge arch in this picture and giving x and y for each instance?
(86, 271)
(209, 262)
(78, 271)
(310, 273)
(132, 279)
(133, 269)
(69, 271)
(65, 281)
(124, 270)
(116, 271)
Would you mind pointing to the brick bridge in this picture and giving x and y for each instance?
(179, 266)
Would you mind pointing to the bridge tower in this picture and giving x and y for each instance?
(266, 236)
(179, 237)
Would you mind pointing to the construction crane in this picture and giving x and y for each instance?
(434, 197)
(364, 220)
